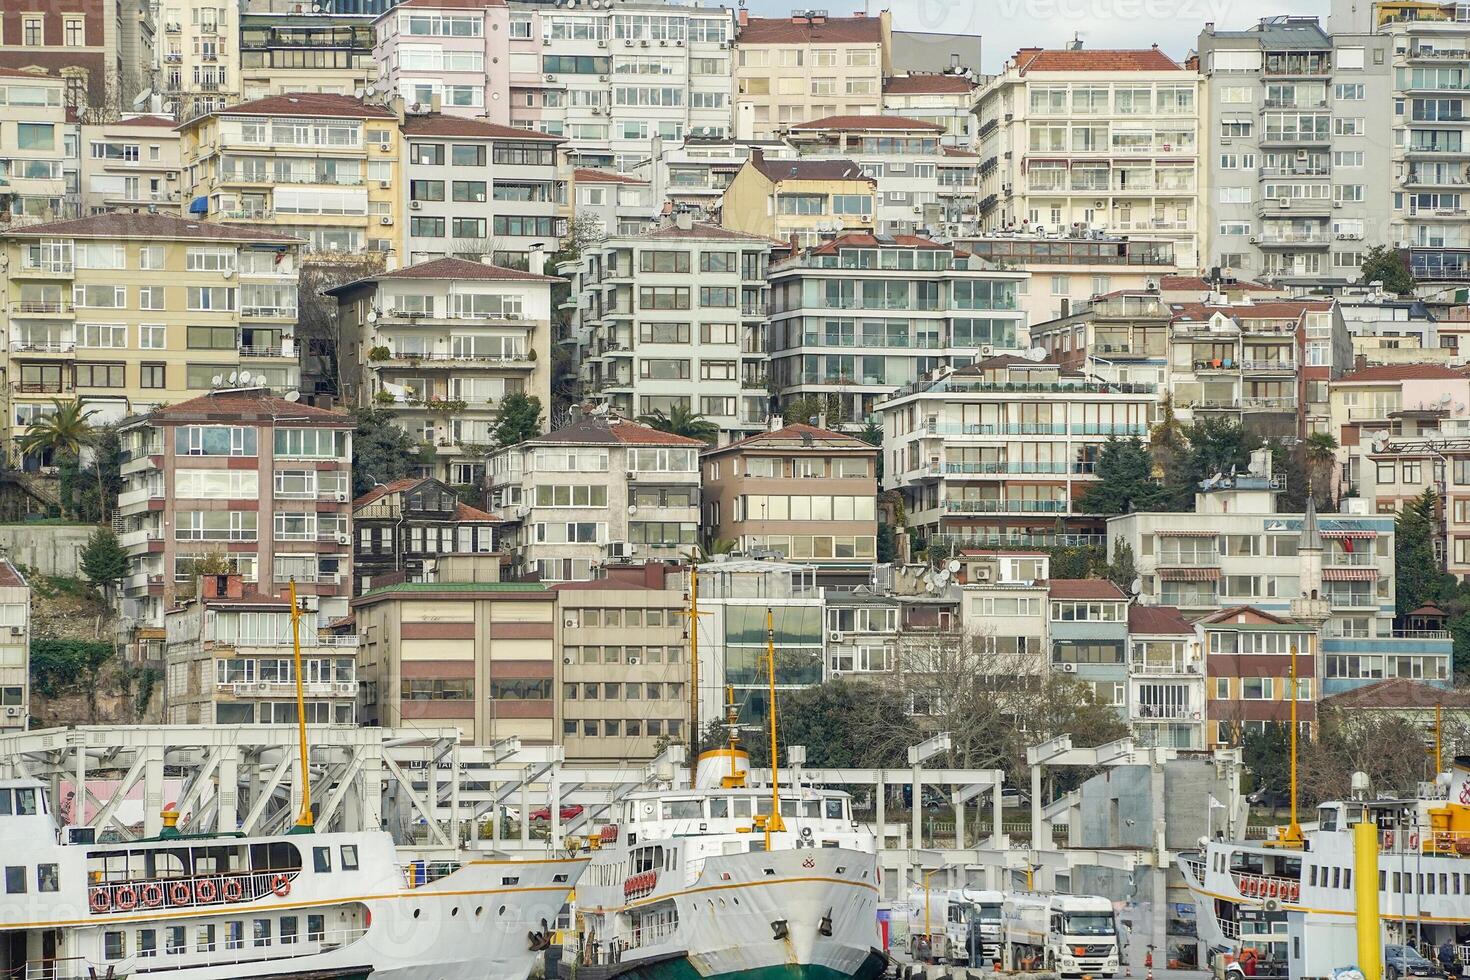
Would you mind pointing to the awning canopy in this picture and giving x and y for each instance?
(1349, 534)
(1188, 534)
(1349, 574)
(1189, 574)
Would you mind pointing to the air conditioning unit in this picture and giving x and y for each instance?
(415, 205)
(344, 538)
(724, 45)
(551, 78)
(227, 273)
(618, 549)
(632, 661)
(172, 175)
(1069, 668)
(629, 43)
(1285, 202)
(1273, 904)
(602, 78)
(663, 43)
(980, 575)
(341, 496)
(386, 219)
(546, 42)
(602, 44)
(1255, 239)
(385, 184)
(679, 43)
(12, 711)
(310, 603)
(986, 350)
(596, 111)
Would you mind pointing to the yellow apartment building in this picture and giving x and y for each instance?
(126, 312)
(801, 198)
(318, 166)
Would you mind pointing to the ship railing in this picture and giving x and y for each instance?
(1229, 928)
(420, 873)
(55, 969)
(246, 951)
(1196, 869)
(187, 891)
(653, 933)
(1423, 840)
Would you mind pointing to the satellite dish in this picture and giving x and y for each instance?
(372, 90)
(217, 380)
(632, 508)
(372, 316)
(1381, 435)
(1037, 354)
(954, 565)
(233, 377)
(358, 93)
(245, 377)
(293, 396)
(1136, 586)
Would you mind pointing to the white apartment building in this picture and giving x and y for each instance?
(674, 319)
(1109, 140)
(608, 203)
(37, 149)
(130, 163)
(920, 185)
(15, 648)
(443, 342)
(613, 79)
(200, 56)
(693, 175)
(475, 189)
(599, 489)
(860, 316)
(946, 99)
(446, 53)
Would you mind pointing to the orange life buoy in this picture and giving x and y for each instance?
(205, 890)
(281, 885)
(151, 895)
(233, 890)
(1296, 891)
(1247, 886)
(179, 893)
(99, 901)
(1388, 838)
(127, 898)
(1414, 841)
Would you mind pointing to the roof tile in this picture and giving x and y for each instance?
(307, 104)
(1157, 620)
(927, 84)
(816, 30)
(1403, 372)
(591, 175)
(246, 404)
(439, 124)
(1144, 59)
(141, 224)
(610, 430)
(798, 435)
(778, 170)
(1084, 588)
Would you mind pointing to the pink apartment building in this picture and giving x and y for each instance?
(453, 51)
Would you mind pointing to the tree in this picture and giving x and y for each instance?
(1319, 452)
(103, 560)
(381, 450)
(61, 435)
(1418, 577)
(836, 723)
(520, 419)
(1122, 569)
(1386, 265)
(1125, 481)
(887, 543)
(682, 422)
(1395, 750)
(1267, 753)
(61, 667)
(101, 481)
(320, 332)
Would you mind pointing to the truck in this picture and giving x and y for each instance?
(963, 925)
(1072, 935)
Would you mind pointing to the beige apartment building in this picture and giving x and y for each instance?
(200, 52)
(34, 133)
(15, 648)
(319, 166)
(625, 672)
(800, 491)
(132, 163)
(126, 312)
(798, 201)
(481, 656)
(808, 66)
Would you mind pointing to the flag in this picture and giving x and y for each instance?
(1216, 804)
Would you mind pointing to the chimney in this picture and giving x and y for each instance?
(222, 587)
(757, 155)
(743, 18)
(537, 259)
(775, 423)
(684, 221)
(435, 103)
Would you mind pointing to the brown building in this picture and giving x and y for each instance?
(799, 491)
(401, 528)
(625, 671)
(478, 655)
(104, 48)
(1248, 657)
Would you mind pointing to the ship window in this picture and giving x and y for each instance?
(288, 930)
(834, 808)
(741, 806)
(349, 857)
(47, 878)
(147, 943)
(811, 808)
(204, 939)
(17, 802)
(321, 859)
(175, 940)
(262, 932)
(1347, 877)
(1312, 875)
(788, 808)
(719, 807)
(1336, 877)
(114, 945)
(275, 856)
(682, 810)
(234, 935)
(15, 880)
(316, 927)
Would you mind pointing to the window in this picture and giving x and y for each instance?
(468, 190)
(204, 298)
(663, 262)
(15, 880)
(95, 375)
(426, 154)
(421, 227)
(426, 190)
(114, 945)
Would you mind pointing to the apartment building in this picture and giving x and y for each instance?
(1087, 626)
(674, 319)
(217, 301)
(15, 648)
(735, 594)
(598, 489)
(919, 184)
(1166, 682)
(607, 203)
(321, 167)
(130, 163)
(1250, 655)
(229, 659)
(1106, 140)
(942, 98)
(1119, 336)
(200, 55)
(798, 200)
(37, 149)
(750, 498)
(1379, 402)
(287, 46)
(478, 656)
(104, 48)
(618, 78)
(860, 316)
(1003, 602)
(443, 342)
(625, 667)
(449, 53)
(1295, 191)
(241, 475)
(1003, 449)
(402, 529)
(808, 66)
(473, 189)
(692, 175)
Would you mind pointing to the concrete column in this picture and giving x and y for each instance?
(227, 793)
(996, 827)
(553, 794)
(525, 815)
(454, 823)
(881, 797)
(79, 803)
(153, 792)
(1159, 874)
(959, 825)
(916, 810)
(1036, 829)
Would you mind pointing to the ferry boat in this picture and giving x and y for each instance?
(324, 906)
(1297, 906)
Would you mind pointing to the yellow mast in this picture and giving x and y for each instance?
(774, 823)
(693, 673)
(1292, 837)
(304, 822)
(1438, 744)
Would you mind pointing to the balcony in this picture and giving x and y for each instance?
(41, 308)
(42, 387)
(44, 270)
(246, 351)
(1300, 170)
(141, 538)
(441, 360)
(1249, 404)
(1163, 712)
(1007, 506)
(1438, 214)
(1269, 366)
(267, 313)
(1420, 179)
(42, 348)
(997, 468)
(316, 689)
(1293, 240)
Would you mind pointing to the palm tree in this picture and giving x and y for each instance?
(64, 432)
(682, 422)
(1320, 450)
(710, 547)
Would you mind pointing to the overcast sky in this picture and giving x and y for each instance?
(1005, 25)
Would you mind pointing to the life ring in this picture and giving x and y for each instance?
(281, 885)
(99, 901)
(1388, 838)
(151, 895)
(127, 898)
(179, 893)
(233, 890)
(1296, 891)
(205, 890)
(1414, 841)
(1247, 887)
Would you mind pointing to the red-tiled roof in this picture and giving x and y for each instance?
(1271, 309)
(1403, 372)
(1226, 615)
(1171, 284)
(955, 151)
(824, 30)
(1400, 693)
(308, 104)
(1145, 59)
(927, 84)
(1157, 620)
(700, 229)
(27, 73)
(1084, 588)
(160, 122)
(778, 170)
(142, 224)
(451, 269)
(862, 239)
(463, 512)
(247, 404)
(592, 430)
(1428, 610)
(439, 124)
(798, 435)
(897, 123)
(10, 578)
(589, 175)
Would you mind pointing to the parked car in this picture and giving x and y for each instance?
(1406, 961)
(568, 811)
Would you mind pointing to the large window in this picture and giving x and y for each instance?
(311, 443)
(214, 440)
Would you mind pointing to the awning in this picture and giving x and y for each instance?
(200, 205)
(1188, 534)
(1349, 534)
(1349, 574)
(1189, 574)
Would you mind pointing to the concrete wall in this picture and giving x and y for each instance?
(48, 549)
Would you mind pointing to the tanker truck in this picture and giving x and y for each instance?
(1072, 935)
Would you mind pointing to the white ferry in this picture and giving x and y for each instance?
(696, 883)
(1297, 907)
(311, 906)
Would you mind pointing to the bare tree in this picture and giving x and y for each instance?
(318, 331)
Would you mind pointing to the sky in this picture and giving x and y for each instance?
(1005, 25)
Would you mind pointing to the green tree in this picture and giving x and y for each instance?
(381, 450)
(887, 543)
(62, 435)
(519, 419)
(1388, 266)
(61, 667)
(1418, 577)
(1125, 480)
(1216, 445)
(682, 422)
(1122, 568)
(99, 483)
(1267, 753)
(845, 723)
(103, 560)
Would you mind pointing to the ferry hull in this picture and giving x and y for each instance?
(871, 969)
